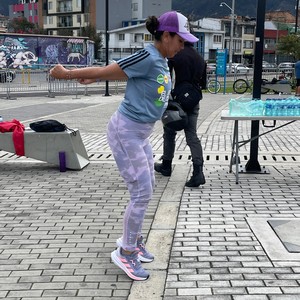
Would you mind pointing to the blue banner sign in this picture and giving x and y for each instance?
(221, 61)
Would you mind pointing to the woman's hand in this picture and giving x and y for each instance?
(86, 81)
(59, 72)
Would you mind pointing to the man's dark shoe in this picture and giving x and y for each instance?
(197, 178)
(165, 168)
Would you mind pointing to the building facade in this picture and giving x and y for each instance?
(141, 9)
(3, 23)
(243, 39)
(67, 16)
(127, 32)
(211, 37)
(25, 8)
(72, 15)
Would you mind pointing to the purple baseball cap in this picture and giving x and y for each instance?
(173, 21)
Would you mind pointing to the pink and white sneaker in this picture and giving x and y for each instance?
(143, 254)
(130, 264)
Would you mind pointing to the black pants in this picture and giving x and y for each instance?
(191, 137)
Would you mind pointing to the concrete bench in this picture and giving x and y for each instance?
(45, 146)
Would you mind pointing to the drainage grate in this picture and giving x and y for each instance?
(208, 158)
(180, 157)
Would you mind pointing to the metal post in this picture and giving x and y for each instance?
(253, 164)
(231, 34)
(232, 16)
(297, 12)
(106, 44)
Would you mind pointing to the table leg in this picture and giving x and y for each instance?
(235, 151)
(236, 129)
(232, 148)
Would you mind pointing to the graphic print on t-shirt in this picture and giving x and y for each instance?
(161, 79)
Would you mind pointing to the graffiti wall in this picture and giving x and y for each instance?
(29, 51)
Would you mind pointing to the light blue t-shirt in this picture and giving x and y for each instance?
(148, 87)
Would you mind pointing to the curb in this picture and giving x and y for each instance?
(160, 237)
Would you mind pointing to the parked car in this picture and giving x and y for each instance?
(211, 68)
(7, 75)
(286, 66)
(238, 68)
(97, 62)
(287, 69)
(102, 63)
(269, 67)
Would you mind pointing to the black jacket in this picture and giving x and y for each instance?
(189, 66)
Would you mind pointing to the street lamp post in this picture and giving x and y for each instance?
(106, 44)
(297, 12)
(231, 30)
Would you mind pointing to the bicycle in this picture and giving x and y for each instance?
(241, 86)
(213, 86)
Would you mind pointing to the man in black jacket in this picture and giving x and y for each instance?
(190, 67)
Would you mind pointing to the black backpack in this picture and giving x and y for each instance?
(48, 126)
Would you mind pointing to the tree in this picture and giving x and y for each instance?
(22, 25)
(290, 45)
(91, 32)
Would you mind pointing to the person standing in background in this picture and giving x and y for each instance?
(188, 66)
(146, 98)
(297, 75)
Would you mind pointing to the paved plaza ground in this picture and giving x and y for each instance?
(221, 241)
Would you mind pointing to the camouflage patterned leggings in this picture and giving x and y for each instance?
(129, 142)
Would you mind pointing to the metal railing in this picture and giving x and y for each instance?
(37, 82)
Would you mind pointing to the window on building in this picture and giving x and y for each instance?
(249, 29)
(227, 28)
(227, 44)
(217, 38)
(248, 44)
(121, 37)
(148, 37)
(270, 44)
(138, 38)
(126, 50)
(50, 5)
(78, 3)
(50, 20)
(65, 6)
(237, 46)
(135, 6)
(68, 6)
(65, 21)
(86, 18)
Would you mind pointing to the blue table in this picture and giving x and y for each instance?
(236, 143)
